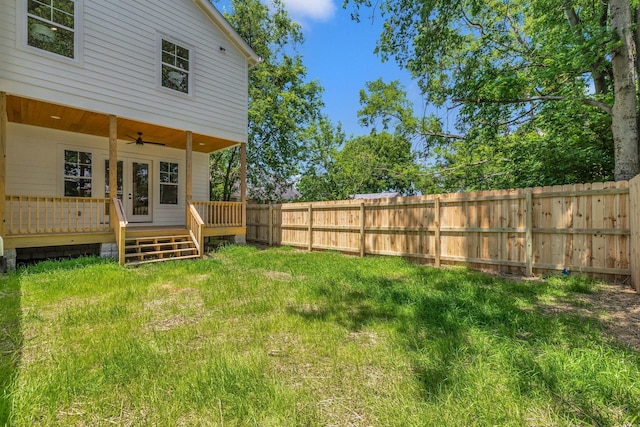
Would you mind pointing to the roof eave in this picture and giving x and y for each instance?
(214, 14)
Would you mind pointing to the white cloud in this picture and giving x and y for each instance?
(317, 10)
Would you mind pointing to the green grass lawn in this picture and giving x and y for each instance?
(279, 337)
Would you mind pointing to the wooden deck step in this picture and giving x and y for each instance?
(153, 245)
(160, 252)
(142, 247)
(158, 238)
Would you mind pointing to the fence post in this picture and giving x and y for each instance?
(529, 234)
(438, 241)
(270, 224)
(362, 235)
(634, 235)
(310, 227)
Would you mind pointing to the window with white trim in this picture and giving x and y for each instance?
(78, 178)
(168, 183)
(51, 26)
(175, 67)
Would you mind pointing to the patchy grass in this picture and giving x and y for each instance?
(279, 337)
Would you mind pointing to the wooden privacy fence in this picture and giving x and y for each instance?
(587, 228)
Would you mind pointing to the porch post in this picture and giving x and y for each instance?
(3, 161)
(113, 166)
(188, 165)
(243, 182)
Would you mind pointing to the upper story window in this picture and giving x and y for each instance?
(176, 66)
(51, 26)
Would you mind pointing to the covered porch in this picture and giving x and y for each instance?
(29, 220)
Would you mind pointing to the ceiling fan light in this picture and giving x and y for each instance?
(175, 77)
(42, 33)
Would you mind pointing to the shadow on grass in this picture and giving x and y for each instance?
(10, 341)
(452, 322)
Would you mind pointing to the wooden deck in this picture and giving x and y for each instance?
(58, 221)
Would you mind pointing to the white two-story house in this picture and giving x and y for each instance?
(108, 112)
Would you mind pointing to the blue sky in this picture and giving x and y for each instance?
(338, 52)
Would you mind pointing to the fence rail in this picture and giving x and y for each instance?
(581, 228)
(41, 215)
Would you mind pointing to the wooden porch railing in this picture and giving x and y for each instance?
(119, 221)
(196, 228)
(27, 215)
(221, 214)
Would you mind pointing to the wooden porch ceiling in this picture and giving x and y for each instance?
(44, 114)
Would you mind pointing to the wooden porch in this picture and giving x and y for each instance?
(32, 221)
(54, 221)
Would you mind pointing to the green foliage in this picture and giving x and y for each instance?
(530, 82)
(318, 181)
(376, 163)
(224, 170)
(379, 162)
(282, 103)
(386, 105)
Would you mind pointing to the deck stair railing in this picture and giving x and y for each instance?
(119, 221)
(195, 225)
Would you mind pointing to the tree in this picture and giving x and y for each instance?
(318, 181)
(376, 163)
(282, 103)
(224, 173)
(503, 63)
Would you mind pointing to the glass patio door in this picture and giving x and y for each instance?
(134, 190)
(138, 200)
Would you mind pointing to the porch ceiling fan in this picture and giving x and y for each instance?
(140, 141)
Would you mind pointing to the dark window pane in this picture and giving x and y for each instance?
(72, 187)
(85, 188)
(168, 46)
(169, 194)
(71, 170)
(40, 8)
(174, 79)
(64, 5)
(164, 167)
(63, 18)
(167, 58)
(174, 167)
(70, 156)
(85, 158)
(182, 52)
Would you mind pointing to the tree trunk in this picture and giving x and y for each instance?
(624, 126)
(597, 74)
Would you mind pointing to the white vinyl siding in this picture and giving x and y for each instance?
(118, 72)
